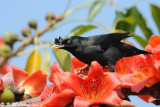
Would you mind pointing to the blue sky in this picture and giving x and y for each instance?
(16, 13)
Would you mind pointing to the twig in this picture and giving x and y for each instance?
(24, 103)
(30, 40)
(82, 19)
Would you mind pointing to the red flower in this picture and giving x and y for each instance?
(100, 87)
(33, 84)
(145, 68)
(59, 94)
(4, 69)
(96, 88)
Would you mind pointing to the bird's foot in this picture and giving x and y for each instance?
(83, 70)
(106, 73)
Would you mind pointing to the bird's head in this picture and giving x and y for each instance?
(67, 44)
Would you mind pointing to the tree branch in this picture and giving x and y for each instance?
(24, 103)
(30, 40)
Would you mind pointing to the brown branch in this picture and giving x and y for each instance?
(30, 40)
(24, 103)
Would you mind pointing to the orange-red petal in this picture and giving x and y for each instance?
(146, 98)
(143, 69)
(4, 68)
(73, 81)
(19, 75)
(76, 64)
(139, 86)
(110, 98)
(127, 80)
(123, 65)
(48, 91)
(59, 100)
(1, 41)
(1, 84)
(113, 81)
(35, 83)
(95, 70)
(56, 77)
(154, 41)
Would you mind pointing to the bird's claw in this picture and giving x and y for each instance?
(106, 73)
(83, 70)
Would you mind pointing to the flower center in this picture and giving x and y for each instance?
(94, 88)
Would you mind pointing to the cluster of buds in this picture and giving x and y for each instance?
(26, 32)
(9, 40)
(32, 24)
(11, 94)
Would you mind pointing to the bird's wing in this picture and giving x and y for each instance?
(104, 41)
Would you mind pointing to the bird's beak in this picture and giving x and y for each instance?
(57, 46)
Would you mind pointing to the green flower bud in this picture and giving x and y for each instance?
(50, 16)
(33, 24)
(10, 38)
(7, 96)
(9, 87)
(26, 32)
(4, 50)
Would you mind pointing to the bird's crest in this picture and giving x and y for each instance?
(58, 40)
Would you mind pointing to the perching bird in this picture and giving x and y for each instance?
(105, 49)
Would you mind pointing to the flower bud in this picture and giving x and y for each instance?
(18, 92)
(7, 96)
(26, 32)
(33, 24)
(50, 16)
(4, 50)
(10, 38)
(25, 97)
(9, 87)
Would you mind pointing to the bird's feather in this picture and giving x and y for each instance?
(107, 40)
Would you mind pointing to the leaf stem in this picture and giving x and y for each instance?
(83, 5)
(67, 6)
(82, 19)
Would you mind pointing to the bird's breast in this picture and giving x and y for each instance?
(88, 57)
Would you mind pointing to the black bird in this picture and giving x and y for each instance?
(106, 49)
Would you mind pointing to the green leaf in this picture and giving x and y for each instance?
(119, 15)
(46, 61)
(156, 15)
(95, 9)
(63, 58)
(127, 21)
(33, 62)
(142, 24)
(80, 30)
(140, 40)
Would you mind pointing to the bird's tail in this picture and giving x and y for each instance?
(142, 52)
(131, 50)
(136, 52)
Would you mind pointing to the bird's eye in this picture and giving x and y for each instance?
(68, 41)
